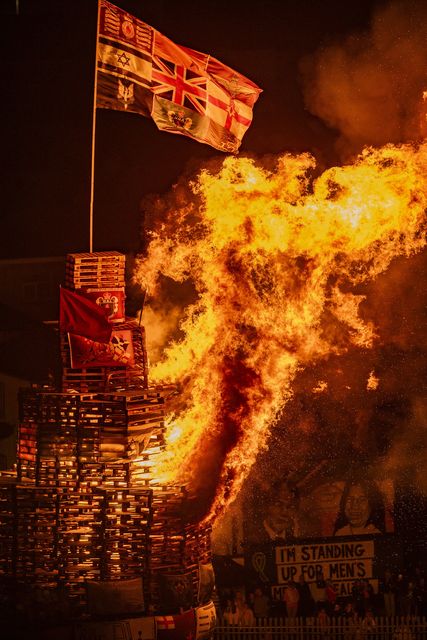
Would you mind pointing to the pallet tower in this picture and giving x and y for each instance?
(85, 515)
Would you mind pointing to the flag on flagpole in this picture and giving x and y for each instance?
(83, 317)
(184, 91)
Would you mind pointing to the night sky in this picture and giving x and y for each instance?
(49, 49)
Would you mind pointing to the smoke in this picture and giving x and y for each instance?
(370, 87)
(163, 320)
(338, 420)
(409, 448)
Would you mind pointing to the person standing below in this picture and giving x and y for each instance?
(306, 602)
(239, 601)
(368, 624)
(323, 622)
(422, 597)
(358, 598)
(230, 615)
(387, 588)
(319, 590)
(410, 601)
(331, 596)
(400, 591)
(350, 618)
(261, 604)
(368, 594)
(291, 598)
(246, 618)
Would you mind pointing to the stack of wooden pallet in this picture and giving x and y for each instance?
(35, 524)
(8, 532)
(92, 508)
(104, 269)
(101, 278)
(126, 522)
(79, 536)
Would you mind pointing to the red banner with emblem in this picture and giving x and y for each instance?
(184, 91)
(85, 353)
(112, 300)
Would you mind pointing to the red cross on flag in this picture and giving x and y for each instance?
(199, 96)
(165, 623)
(178, 627)
(184, 91)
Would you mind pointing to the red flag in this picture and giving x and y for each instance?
(177, 627)
(184, 91)
(83, 317)
(111, 298)
(85, 353)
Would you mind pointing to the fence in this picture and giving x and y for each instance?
(407, 628)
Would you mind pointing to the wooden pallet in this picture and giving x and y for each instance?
(104, 527)
(102, 269)
(97, 256)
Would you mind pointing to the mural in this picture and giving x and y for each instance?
(285, 510)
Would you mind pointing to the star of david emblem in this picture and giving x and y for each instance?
(123, 59)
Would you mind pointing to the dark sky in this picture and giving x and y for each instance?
(48, 55)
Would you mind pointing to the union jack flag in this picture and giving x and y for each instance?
(181, 86)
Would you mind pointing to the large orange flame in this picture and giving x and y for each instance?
(275, 256)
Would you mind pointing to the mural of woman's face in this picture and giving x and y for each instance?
(357, 508)
(281, 512)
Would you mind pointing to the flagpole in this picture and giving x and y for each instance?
(92, 161)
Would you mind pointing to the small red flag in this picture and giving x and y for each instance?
(85, 353)
(177, 627)
(83, 317)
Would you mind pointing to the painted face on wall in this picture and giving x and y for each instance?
(281, 512)
(357, 508)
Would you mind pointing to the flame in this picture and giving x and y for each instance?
(373, 382)
(275, 256)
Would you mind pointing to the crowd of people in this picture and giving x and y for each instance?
(397, 595)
